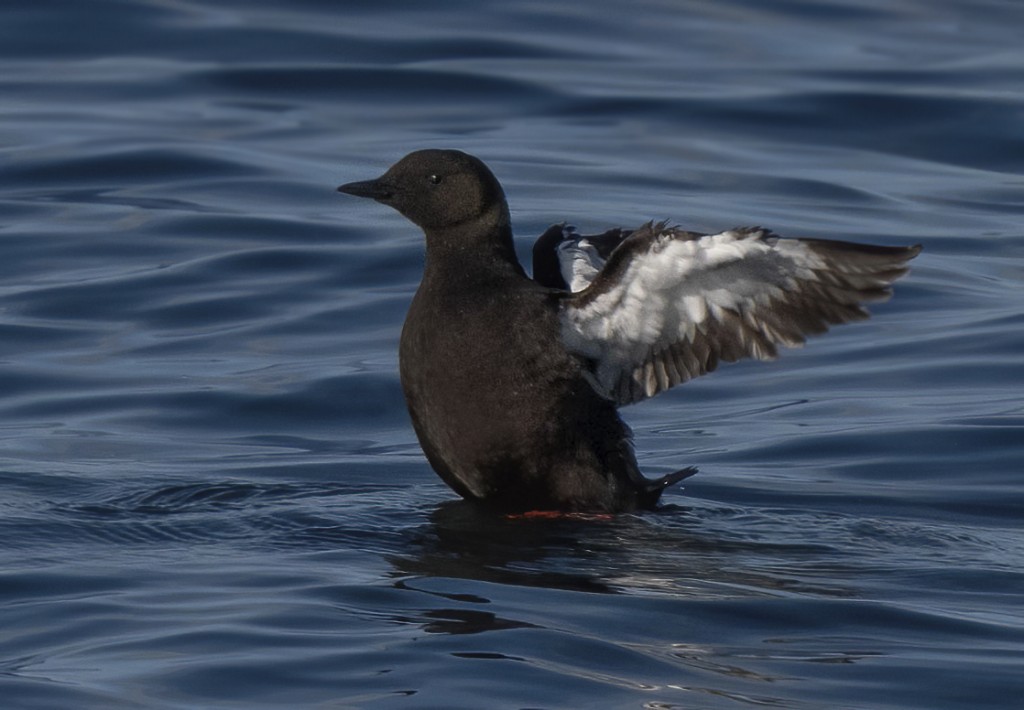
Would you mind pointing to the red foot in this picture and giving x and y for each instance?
(558, 515)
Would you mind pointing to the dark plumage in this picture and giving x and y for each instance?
(513, 383)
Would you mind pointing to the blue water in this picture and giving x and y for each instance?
(210, 495)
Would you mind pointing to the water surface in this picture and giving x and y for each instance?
(210, 495)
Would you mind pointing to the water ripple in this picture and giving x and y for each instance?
(211, 495)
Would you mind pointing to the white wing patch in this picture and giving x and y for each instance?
(579, 263)
(622, 325)
(672, 303)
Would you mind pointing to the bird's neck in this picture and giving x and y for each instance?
(477, 248)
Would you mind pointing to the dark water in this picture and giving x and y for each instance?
(210, 496)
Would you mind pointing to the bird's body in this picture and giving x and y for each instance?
(496, 416)
(513, 383)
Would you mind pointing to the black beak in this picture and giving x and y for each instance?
(374, 189)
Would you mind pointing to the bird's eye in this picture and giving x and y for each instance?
(434, 179)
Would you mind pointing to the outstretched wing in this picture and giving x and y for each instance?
(669, 305)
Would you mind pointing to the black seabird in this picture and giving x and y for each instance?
(513, 383)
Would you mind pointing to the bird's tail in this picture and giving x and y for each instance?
(655, 487)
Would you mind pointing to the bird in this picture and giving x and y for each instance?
(513, 383)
